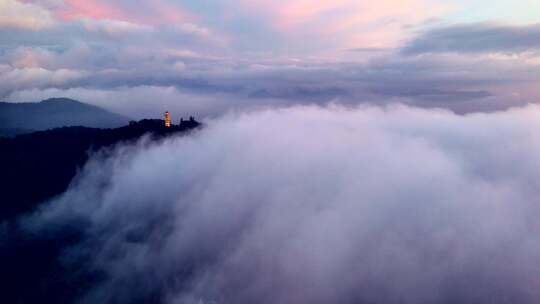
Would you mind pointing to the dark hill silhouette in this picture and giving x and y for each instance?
(10, 132)
(17, 118)
(40, 165)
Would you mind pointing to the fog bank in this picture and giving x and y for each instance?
(315, 205)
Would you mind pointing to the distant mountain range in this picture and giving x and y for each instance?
(20, 118)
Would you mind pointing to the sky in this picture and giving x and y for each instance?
(208, 57)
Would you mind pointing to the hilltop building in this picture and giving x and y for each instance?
(167, 119)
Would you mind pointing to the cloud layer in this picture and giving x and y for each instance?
(315, 205)
(219, 56)
(478, 38)
(14, 14)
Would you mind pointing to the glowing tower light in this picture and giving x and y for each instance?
(167, 119)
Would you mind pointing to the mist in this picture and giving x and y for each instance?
(313, 204)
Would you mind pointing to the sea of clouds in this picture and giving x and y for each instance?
(315, 205)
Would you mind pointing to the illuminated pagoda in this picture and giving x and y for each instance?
(167, 119)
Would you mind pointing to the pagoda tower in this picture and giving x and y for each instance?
(167, 119)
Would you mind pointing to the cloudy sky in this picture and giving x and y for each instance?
(209, 56)
(334, 183)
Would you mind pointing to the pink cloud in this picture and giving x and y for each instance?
(301, 11)
(356, 22)
(152, 12)
(30, 58)
(90, 9)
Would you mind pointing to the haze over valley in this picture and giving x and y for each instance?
(239, 152)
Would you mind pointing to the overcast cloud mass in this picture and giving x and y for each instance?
(354, 151)
(207, 57)
(314, 205)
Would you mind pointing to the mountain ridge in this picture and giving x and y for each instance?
(35, 168)
(20, 118)
(48, 160)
